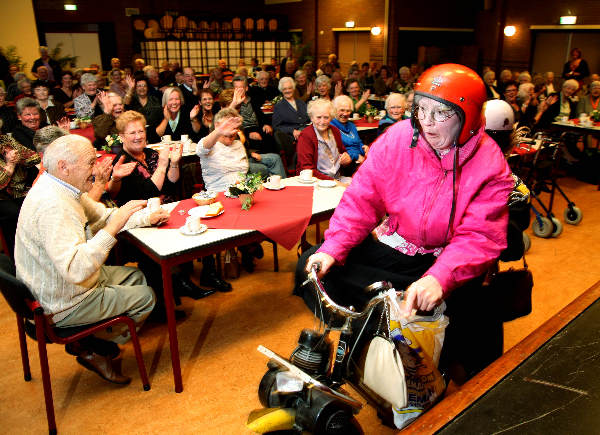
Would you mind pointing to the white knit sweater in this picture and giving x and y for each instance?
(58, 252)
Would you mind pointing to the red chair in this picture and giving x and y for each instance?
(28, 309)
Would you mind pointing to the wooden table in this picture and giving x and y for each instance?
(169, 248)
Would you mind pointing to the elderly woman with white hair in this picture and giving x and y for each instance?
(405, 82)
(290, 115)
(589, 103)
(528, 104)
(289, 118)
(557, 106)
(322, 88)
(343, 106)
(88, 103)
(105, 124)
(395, 107)
(177, 121)
(320, 146)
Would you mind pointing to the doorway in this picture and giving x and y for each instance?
(353, 46)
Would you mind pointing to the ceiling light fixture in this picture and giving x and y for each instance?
(510, 30)
(376, 30)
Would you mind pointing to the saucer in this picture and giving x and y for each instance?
(183, 230)
(307, 181)
(269, 187)
(201, 210)
(327, 183)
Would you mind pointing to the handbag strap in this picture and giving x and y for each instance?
(384, 313)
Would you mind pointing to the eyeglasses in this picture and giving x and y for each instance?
(438, 115)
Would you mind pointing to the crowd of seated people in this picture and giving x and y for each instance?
(310, 127)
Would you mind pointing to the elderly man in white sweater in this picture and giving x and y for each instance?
(63, 239)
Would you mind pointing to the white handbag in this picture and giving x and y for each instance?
(384, 372)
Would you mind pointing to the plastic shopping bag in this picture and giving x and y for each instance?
(419, 341)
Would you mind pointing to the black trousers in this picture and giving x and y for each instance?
(474, 336)
(9, 214)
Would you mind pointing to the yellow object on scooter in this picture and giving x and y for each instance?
(271, 419)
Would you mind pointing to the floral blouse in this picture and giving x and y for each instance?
(15, 185)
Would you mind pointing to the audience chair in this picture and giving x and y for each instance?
(28, 310)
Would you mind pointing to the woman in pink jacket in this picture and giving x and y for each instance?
(434, 188)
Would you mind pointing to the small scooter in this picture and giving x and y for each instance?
(306, 391)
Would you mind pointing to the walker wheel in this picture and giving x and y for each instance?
(573, 215)
(557, 227)
(526, 242)
(542, 227)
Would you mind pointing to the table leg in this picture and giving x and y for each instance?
(169, 306)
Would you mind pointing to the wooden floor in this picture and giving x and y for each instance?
(220, 365)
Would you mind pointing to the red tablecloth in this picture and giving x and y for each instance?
(87, 132)
(104, 155)
(281, 215)
(362, 122)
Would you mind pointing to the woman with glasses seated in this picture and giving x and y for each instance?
(395, 107)
(434, 189)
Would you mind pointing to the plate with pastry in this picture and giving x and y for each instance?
(208, 211)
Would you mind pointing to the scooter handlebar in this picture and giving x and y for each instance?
(380, 286)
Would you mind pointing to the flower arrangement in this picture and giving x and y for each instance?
(595, 115)
(112, 140)
(246, 186)
(371, 112)
(277, 99)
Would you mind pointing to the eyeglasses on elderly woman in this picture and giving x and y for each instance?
(438, 115)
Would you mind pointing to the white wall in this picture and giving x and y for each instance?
(18, 28)
(84, 45)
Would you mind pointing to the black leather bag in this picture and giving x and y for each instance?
(511, 289)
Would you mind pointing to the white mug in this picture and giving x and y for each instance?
(166, 138)
(355, 116)
(184, 137)
(275, 181)
(153, 204)
(306, 175)
(193, 224)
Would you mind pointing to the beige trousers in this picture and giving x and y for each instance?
(121, 290)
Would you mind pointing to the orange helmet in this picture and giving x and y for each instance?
(460, 88)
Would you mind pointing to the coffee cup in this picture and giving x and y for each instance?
(355, 116)
(166, 138)
(306, 175)
(193, 224)
(184, 138)
(274, 181)
(153, 204)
